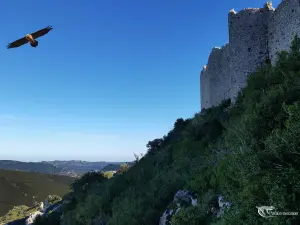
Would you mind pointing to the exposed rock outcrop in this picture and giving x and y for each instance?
(32, 217)
(184, 199)
(217, 206)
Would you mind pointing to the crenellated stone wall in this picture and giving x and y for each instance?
(255, 35)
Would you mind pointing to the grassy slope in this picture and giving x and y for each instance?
(18, 212)
(248, 152)
(18, 188)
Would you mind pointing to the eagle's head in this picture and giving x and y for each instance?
(29, 38)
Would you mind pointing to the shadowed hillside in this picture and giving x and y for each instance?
(22, 188)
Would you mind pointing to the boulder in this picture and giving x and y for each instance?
(217, 206)
(182, 199)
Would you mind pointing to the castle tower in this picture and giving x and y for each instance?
(216, 77)
(255, 35)
(248, 40)
(283, 27)
(205, 89)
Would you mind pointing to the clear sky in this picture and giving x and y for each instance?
(110, 76)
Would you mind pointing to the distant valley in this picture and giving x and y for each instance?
(22, 184)
(80, 167)
(72, 168)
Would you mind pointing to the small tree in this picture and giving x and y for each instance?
(124, 167)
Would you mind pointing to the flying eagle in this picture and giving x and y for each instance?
(30, 38)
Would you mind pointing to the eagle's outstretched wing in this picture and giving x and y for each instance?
(17, 43)
(41, 32)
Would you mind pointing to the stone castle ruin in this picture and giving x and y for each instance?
(255, 36)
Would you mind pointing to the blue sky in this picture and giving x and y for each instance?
(108, 78)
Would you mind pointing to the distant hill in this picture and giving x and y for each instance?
(70, 168)
(21, 188)
(111, 167)
(29, 166)
(79, 166)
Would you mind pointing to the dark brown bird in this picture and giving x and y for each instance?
(30, 38)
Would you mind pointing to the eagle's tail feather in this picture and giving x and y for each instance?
(34, 44)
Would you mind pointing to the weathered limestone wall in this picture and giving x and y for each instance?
(254, 36)
(248, 30)
(205, 89)
(283, 27)
(218, 75)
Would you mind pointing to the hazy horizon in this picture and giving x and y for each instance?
(64, 160)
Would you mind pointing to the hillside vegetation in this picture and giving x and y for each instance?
(248, 152)
(23, 188)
